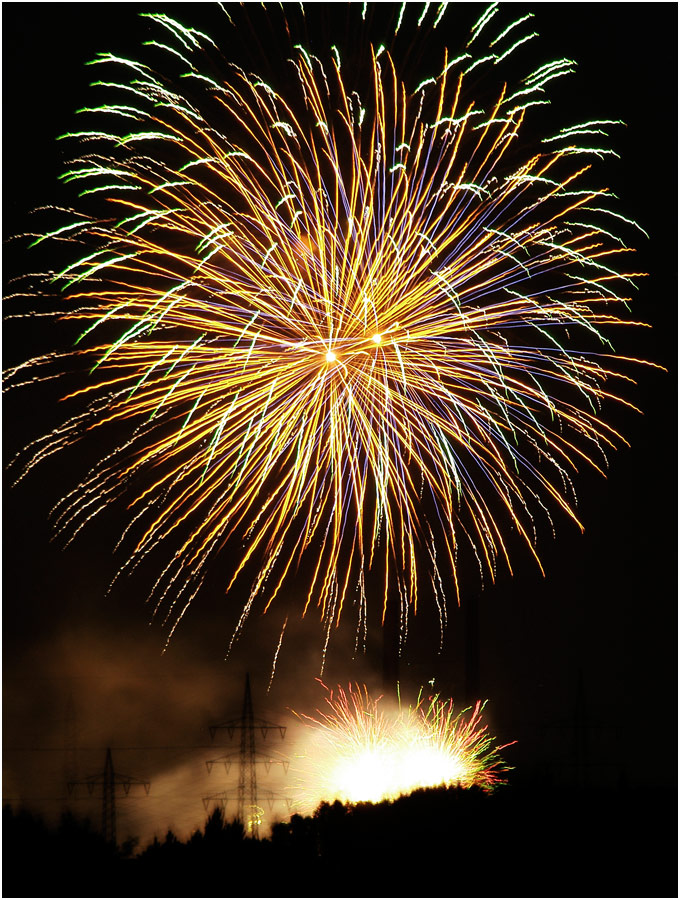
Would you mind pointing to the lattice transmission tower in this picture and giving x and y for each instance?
(70, 741)
(248, 799)
(109, 779)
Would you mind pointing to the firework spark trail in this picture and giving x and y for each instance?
(356, 751)
(346, 325)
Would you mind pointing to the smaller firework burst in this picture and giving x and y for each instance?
(358, 751)
(454, 747)
(350, 751)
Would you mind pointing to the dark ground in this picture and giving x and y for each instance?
(530, 841)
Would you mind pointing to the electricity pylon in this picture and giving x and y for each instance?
(70, 740)
(108, 779)
(247, 795)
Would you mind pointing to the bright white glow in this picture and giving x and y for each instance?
(330, 356)
(365, 775)
(358, 752)
(379, 766)
(377, 338)
(386, 772)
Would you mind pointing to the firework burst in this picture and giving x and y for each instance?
(357, 751)
(342, 330)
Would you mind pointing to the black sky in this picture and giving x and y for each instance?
(595, 638)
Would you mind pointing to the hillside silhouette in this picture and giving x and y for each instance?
(533, 841)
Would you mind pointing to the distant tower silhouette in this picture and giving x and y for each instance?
(391, 647)
(246, 769)
(70, 740)
(108, 779)
(247, 794)
(582, 725)
(472, 653)
(109, 799)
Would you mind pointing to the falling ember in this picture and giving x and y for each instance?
(357, 752)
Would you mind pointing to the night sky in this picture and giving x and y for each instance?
(583, 658)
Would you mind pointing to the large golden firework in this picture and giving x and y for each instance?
(343, 330)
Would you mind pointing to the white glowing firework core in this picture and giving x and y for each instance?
(363, 775)
(386, 772)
